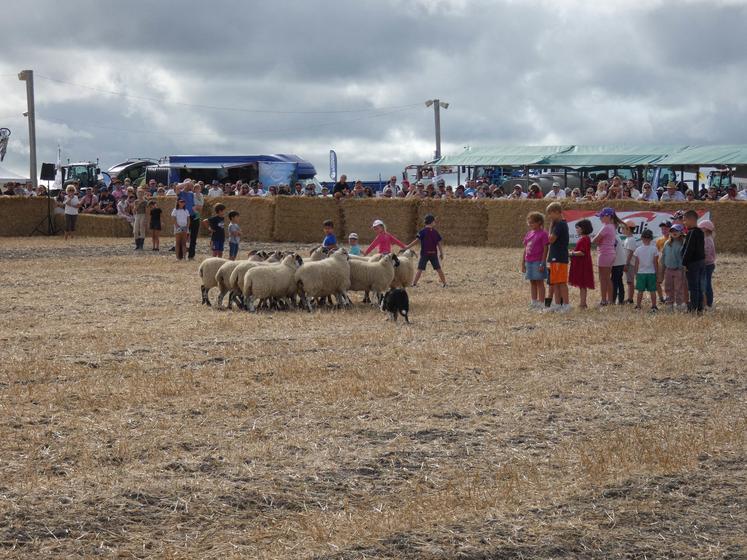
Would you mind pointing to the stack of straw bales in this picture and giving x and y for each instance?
(299, 219)
(256, 215)
(460, 222)
(499, 223)
(20, 215)
(398, 215)
(97, 225)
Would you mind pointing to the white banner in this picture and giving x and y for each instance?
(644, 219)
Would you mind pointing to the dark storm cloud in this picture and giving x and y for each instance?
(521, 72)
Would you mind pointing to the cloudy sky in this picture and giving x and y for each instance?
(152, 78)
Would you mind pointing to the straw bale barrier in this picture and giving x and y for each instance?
(97, 225)
(19, 215)
(460, 222)
(499, 223)
(256, 215)
(730, 219)
(399, 216)
(300, 219)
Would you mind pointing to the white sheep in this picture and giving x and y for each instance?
(405, 272)
(271, 281)
(207, 270)
(223, 277)
(321, 279)
(318, 253)
(236, 280)
(374, 276)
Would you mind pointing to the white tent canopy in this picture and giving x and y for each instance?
(7, 176)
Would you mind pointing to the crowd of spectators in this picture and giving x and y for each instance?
(119, 197)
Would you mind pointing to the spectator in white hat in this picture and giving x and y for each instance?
(556, 192)
(354, 248)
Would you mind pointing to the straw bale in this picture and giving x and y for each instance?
(256, 215)
(499, 223)
(94, 225)
(507, 218)
(19, 215)
(300, 219)
(460, 222)
(398, 215)
(730, 219)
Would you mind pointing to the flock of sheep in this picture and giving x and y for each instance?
(283, 280)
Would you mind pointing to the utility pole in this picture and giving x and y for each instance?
(437, 105)
(28, 77)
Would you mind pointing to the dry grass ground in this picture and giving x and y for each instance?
(136, 423)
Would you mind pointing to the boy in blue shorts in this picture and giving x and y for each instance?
(430, 250)
(217, 230)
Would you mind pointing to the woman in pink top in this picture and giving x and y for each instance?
(606, 242)
(384, 240)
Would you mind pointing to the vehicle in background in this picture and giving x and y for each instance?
(723, 178)
(132, 169)
(85, 173)
(273, 169)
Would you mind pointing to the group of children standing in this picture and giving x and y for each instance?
(683, 260)
(217, 226)
(431, 247)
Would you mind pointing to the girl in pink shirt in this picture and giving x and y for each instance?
(606, 242)
(384, 240)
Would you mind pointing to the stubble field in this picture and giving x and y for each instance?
(136, 423)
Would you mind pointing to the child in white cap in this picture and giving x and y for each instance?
(354, 248)
(384, 240)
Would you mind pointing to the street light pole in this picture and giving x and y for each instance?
(437, 106)
(28, 77)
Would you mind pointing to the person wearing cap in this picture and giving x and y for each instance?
(556, 193)
(671, 263)
(387, 192)
(353, 247)
(606, 241)
(117, 189)
(646, 264)
(708, 229)
(383, 240)
(672, 194)
(430, 250)
(517, 193)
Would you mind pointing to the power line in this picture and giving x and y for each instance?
(220, 108)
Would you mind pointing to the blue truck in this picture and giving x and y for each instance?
(273, 169)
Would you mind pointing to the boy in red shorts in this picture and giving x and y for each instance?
(558, 258)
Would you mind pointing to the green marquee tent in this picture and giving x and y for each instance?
(598, 156)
